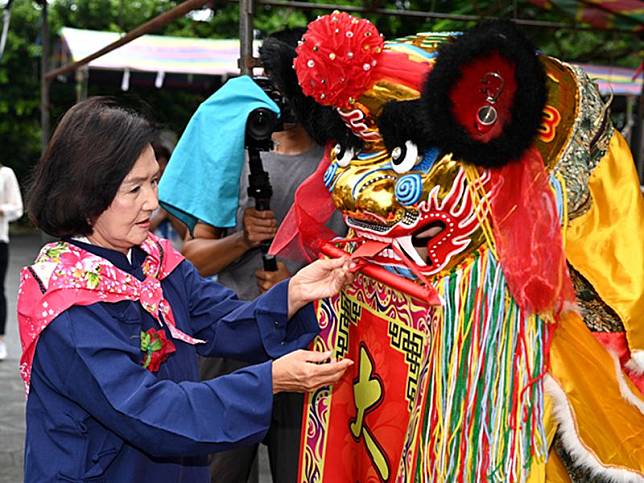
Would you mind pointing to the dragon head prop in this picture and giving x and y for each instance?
(435, 146)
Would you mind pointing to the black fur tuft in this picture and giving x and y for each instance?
(530, 97)
(401, 121)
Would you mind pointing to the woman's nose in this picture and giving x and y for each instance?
(151, 201)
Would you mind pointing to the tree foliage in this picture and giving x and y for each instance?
(19, 67)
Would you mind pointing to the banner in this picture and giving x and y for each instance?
(366, 427)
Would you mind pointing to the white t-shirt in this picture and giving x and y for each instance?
(10, 201)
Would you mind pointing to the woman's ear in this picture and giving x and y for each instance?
(485, 96)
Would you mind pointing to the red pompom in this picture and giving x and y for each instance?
(336, 58)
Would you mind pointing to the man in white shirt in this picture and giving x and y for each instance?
(10, 210)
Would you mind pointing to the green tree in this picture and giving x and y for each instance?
(20, 91)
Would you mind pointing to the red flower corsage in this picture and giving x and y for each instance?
(156, 348)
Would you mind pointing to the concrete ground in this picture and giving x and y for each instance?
(23, 250)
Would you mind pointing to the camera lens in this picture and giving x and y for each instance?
(260, 124)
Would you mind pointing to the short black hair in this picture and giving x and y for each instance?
(290, 36)
(94, 147)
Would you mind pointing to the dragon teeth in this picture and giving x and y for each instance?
(405, 244)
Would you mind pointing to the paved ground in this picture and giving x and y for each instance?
(22, 250)
(12, 423)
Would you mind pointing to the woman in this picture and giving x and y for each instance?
(112, 319)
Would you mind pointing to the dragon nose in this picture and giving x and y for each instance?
(376, 195)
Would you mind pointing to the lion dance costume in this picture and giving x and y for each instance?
(496, 320)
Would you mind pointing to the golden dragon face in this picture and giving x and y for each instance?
(426, 213)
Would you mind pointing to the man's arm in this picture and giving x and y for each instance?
(211, 252)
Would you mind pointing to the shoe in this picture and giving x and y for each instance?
(3, 350)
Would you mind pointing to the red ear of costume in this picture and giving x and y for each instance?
(528, 236)
(485, 95)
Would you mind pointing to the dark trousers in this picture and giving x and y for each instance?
(4, 262)
(283, 438)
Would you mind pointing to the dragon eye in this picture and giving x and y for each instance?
(343, 156)
(404, 158)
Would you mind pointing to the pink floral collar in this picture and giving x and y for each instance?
(64, 275)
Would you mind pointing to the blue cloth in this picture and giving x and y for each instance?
(95, 414)
(201, 181)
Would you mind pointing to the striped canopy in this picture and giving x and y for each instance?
(617, 80)
(153, 53)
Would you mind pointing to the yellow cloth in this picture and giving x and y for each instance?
(548, 470)
(607, 424)
(555, 470)
(606, 244)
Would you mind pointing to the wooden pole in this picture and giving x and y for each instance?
(246, 24)
(44, 81)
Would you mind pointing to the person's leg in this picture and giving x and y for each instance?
(4, 261)
(283, 438)
(236, 465)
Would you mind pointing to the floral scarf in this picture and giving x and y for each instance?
(64, 275)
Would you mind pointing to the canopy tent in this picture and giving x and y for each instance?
(217, 57)
(617, 80)
(152, 53)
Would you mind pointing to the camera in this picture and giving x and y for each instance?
(262, 122)
(260, 126)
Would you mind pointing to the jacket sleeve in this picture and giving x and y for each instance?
(94, 365)
(252, 331)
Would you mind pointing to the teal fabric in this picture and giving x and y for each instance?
(201, 181)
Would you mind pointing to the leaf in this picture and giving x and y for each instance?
(92, 279)
(145, 341)
(147, 360)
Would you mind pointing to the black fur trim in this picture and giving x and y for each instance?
(401, 121)
(322, 123)
(530, 97)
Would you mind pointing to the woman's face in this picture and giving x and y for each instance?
(126, 221)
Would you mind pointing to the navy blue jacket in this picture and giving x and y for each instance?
(95, 414)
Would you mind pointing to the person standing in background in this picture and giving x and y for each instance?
(10, 210)
(163, 224)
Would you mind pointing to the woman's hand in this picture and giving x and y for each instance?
(321, 279)
(305, 371)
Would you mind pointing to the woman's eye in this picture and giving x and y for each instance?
(343, 156)
(404, 158)
(155, 182)
(136, 189)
